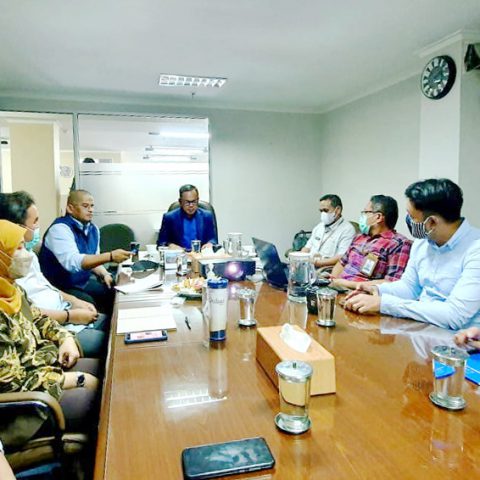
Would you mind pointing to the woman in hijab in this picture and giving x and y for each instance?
(35, 351)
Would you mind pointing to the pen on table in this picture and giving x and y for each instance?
(187, 322)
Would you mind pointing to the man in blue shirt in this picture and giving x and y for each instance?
(441, 282)
(70, 254)
(187, 223)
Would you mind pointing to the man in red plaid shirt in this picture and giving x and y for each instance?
(379, 254)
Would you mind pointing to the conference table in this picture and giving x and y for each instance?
(160, 398)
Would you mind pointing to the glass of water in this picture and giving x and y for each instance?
(247, 298)
(448, 364)
(326, 307)
(294, 379)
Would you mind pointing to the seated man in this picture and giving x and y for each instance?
(441, 282)
(379, 253)
(74, 314)
(187, 223)
(70, 252)
(332, 236)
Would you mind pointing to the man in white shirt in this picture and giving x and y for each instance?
(75, 314)
(332, 236)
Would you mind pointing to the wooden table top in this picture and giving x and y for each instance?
(160, 398)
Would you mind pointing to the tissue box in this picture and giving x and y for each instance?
(271, 349)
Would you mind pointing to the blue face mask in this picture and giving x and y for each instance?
(34, 241)
(363, 225)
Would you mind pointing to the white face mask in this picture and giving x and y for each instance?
(21, 263)
(327, 217)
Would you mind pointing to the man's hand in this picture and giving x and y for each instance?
(363, 303)
(363, 287)
(68, 353)
(120, 255)
(78, 303)
(82, 316)
(207, 245)
(108, 279)
(470, 336)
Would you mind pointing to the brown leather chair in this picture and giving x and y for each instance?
(204, 206)
(32, 429)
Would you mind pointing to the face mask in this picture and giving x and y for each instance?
(417, 229)
(327, 217)
(363, 225)
(20, 266)
(34, 241)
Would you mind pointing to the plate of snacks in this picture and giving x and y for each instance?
(189, 288)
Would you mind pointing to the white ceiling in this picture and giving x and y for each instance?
(304, 55)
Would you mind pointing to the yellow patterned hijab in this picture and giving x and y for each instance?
(11, 235)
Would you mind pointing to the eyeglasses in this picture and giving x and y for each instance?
(190, 202)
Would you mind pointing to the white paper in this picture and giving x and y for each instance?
(140, 284)
(299, 341)
(146, 318)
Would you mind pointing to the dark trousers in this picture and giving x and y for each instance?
(97, 293)
(80, 405)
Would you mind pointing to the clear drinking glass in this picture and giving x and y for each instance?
(233, 245)
(196, 246)
(448, 364)
(301, 274)
(247, 298)
(294, 379)
(326, 298)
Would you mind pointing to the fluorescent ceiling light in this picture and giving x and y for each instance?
(172, 80)
(195, 135)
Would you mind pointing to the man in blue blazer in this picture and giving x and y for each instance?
(187, 223)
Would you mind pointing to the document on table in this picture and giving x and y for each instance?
(140, 284)
(146, 318)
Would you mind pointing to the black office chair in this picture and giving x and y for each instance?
(204, 206)
(55, 452)
(115, 235)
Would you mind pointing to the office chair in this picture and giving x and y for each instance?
(32, 428)
(115, 235)
(204, 206)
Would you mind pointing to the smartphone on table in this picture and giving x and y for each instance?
(230, 458)
(150, 336)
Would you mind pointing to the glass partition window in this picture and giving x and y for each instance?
(134, 166)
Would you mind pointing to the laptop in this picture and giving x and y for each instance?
(276, 271)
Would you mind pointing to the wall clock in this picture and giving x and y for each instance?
(438, 77)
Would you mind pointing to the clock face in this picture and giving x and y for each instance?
(438, 77)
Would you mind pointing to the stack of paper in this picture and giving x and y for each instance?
(140, 284)
(147, 318)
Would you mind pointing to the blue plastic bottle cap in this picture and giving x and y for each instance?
(217, 283)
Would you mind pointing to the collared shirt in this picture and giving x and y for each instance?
(39, 290)
(441, 285)
(61, 241)
(331, 240)
(190, 231)
(391, 249)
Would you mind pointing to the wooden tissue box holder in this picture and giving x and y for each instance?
(271, 349)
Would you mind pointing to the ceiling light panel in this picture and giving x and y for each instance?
(171, 80)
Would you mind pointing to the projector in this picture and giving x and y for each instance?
(234, 269)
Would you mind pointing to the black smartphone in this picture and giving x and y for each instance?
(219, 459)
(151, 336)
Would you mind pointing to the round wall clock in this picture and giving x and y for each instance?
(438, 77)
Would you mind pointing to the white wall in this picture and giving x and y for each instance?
(264, 166)
(371, 147)
(469, 174)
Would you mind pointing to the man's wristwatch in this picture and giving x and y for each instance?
(81, 380)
